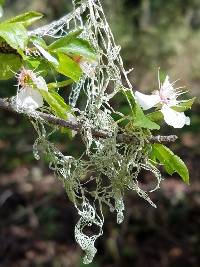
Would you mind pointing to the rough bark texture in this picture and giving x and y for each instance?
(76, 126)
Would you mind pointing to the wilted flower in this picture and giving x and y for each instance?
(29, 86)
(166, 96)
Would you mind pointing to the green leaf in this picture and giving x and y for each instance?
(61, 101)
(26, 18)
(139, 118)
(9, 64)
(31, 63)
(155, 116)
(55, 85)
(15, 35)
(68, 67)
(38, 41)
(131, 100)
(74, 46)
(59, 108)
(61, 42)
(38, 64)
(172, 163)
(57, 103)
(184, 105)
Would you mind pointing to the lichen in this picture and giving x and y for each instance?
(107, 169)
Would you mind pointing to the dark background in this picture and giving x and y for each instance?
(36, 218)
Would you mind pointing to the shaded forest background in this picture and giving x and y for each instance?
(36, 218)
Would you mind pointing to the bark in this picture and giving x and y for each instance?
(77, 126)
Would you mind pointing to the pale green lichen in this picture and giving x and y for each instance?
(107, 169)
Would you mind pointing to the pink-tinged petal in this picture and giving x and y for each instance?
(29, 99)
(174, 118)
(147, 101)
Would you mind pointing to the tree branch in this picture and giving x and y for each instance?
(51, 29)
(76, 126)
(121, 138)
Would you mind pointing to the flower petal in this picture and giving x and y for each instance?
(29, 99)
(147, 101)
(167, 85)
(40, 83)
(167, 90)
(174, 118)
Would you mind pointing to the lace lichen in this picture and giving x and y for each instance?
(107, 169)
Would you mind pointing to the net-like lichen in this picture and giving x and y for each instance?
(107, 169)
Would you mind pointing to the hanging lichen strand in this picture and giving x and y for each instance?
(110, 168)
(81, 47)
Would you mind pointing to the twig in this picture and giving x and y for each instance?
(77, 126)
(164, 139)
(121, 138)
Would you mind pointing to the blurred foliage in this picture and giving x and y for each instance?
(151, 32)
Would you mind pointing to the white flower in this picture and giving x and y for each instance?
(28, 96)
(167, 98)
(40, 83)
(29, 99)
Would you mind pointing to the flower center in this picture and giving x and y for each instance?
(25, 78)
